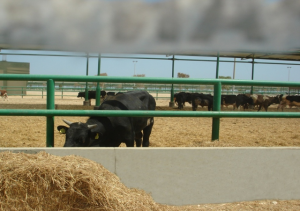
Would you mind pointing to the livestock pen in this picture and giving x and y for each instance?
(107, 156)
(216, 114)
(190, 175)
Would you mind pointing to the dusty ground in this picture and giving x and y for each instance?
(167, 132)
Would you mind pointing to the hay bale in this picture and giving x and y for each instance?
(47, 182)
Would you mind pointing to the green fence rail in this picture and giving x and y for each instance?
(216, 114)
(67, 89)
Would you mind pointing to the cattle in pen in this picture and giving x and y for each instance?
(105, 131)
(181, 98)
(243, 100)
(288, 100)
(91, 94)
(264, 101)
(227, 100)
(4, 94)
(202, 100)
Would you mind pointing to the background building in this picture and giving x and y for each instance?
(14, 87)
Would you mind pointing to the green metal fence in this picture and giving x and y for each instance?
(66, 90)
(216, 114)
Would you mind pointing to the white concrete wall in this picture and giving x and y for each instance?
(182, 176)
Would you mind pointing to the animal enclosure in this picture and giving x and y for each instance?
(27, 131)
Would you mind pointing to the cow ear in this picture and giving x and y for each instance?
(62, 129)
(98, 135)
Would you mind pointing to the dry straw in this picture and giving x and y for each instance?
(47, 182)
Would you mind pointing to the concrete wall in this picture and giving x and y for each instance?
(183, 176)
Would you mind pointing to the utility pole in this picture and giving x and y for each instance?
(134, 62)
(289, 69)
(233, 87)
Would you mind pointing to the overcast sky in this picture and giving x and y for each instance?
(155, 68)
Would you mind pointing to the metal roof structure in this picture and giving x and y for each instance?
(291, 55)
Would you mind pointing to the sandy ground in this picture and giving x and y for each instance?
(167, 132)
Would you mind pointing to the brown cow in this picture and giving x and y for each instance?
(4, 94)
(264, 101)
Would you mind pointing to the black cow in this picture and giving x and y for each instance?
(181, 97)
(112, 131)
(111, 93)
(244, 100)
(91, 94)
(227, 100)
(202, 100)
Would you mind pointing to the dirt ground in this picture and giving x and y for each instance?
(167, 132)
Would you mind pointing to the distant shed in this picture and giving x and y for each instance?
(14, 87)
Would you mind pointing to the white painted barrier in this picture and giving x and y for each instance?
(184, 176)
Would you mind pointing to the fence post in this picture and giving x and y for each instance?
(42, 92)
(216, 107)
(50, 119)
(98, 90)
(62, 92)
(217, 67)
(86, 98)
(171, 103)
(22, 92)
(252, 75)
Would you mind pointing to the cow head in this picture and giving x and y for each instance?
(80, 134)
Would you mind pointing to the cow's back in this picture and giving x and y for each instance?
(133, 100)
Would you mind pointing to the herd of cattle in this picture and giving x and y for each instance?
(247, 101)
(112, 131)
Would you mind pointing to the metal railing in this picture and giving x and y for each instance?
(216, 114)
(69, 91)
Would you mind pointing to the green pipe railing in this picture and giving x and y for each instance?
(110, 113)
(147, 80)
(216, 114)
(98, 90)
(216, 107)
(50, 119)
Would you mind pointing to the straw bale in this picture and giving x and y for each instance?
(46, 182)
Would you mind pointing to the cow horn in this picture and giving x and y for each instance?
(92, 126)
(67, 122)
